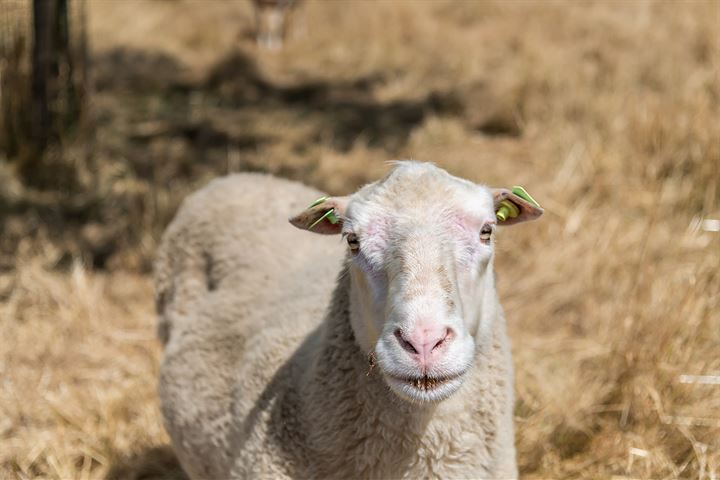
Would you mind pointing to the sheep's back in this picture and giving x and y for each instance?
(232, 236)
(238, 289)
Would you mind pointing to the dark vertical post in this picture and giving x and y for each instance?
(55, 103)
(83, 56)
(44, 72)
(69, 108)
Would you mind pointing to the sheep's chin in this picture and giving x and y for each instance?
(407, 389)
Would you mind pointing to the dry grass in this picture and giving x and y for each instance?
(78, 360)
(607, 111)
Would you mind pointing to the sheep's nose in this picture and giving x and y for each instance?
(425, 344)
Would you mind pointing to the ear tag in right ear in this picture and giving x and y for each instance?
(318, 202)
(508, 209)
(330, 214)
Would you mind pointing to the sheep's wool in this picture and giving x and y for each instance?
(262, 375)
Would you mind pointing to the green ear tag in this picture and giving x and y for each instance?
(522, 193)
(508, 209)
(330, 214)
(318, 202)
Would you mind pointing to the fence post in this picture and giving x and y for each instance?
(55, 102)
(44, 73)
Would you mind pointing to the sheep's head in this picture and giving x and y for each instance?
(420, 248)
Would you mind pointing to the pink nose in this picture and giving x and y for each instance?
(425, 344)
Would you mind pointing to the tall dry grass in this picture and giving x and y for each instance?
(606, 111)
(79, 357)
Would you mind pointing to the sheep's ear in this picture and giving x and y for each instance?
(324, 215)
(515, 206)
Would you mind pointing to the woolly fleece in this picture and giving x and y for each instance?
(262, 376)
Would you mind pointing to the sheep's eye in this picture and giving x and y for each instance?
(486, 232)
(353, 242)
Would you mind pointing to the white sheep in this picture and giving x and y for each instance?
(272, 19)
(399, 368)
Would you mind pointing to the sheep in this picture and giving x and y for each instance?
(289, 355)
(272, 19)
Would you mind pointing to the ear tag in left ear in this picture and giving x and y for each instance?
(522, 193)
(508, 209)
(330, 214)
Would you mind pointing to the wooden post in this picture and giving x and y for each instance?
(44, 74)
(55, 100)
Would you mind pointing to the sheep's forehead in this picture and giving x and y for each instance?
(420, 198)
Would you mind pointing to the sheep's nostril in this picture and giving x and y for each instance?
(446, 337)
(404, 343)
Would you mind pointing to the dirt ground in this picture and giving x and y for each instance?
(606, 111)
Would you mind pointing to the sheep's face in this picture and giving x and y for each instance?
(421, 246)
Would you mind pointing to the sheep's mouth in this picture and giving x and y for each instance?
(425, 388)
(427, 383)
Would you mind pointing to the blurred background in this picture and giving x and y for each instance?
(608, 112)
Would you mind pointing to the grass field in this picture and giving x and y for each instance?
(607, 111)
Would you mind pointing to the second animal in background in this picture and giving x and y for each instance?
(272, 21)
